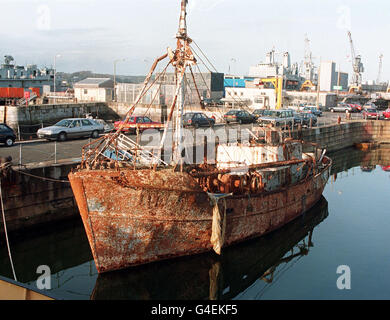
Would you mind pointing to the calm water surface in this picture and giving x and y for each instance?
(349, 226)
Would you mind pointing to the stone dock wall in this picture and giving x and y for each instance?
(30, 201)
(340, 136)
(51, 113)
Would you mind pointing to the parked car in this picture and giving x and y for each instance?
(386, 114)
(297, 118)
(142, 122)
(341, 107)
(7, 135)
(371, 113)
(313, 110)
(209, 102)
(370, 105)
(278, 118)
(71, 128)
(356, 107)
(240, 116)
(197, 119)
(305, 118)
(108, 127)
(259, 113)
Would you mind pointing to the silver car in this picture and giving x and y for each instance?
(277, 118)
(341, 107)
(71, 128)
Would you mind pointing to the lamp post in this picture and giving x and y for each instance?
(231, 60)
(233, 78)
(55, 71)
(318, 86)
(115, 62)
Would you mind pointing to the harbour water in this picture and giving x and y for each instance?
(348, 227)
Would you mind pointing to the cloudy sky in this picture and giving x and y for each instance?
(91, 34)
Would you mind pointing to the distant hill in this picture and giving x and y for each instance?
(74, 77)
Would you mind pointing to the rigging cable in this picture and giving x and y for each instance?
(197, 55)
(6, 232)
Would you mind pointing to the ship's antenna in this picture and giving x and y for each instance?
(182, 22)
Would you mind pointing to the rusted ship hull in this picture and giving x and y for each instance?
(134, 217)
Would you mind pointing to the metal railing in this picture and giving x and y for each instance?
(129, 150)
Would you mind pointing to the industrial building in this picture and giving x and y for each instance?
(271, 68)
(252, 97)
(232, 81)
(94, 89)
(210, 86)
(258, 89)
(15, 80)
(330, 79)
(295, 98)
(258, 97)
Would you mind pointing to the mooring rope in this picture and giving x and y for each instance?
(6, 233)
(42, 178)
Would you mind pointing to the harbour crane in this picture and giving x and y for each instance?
(358, 68)
(308, 63)
(378, 78)
(277, 83)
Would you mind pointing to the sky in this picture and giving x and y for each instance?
(91, 34)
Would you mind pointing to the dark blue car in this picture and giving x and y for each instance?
(197, 119)
(7, 135)
(313, 110)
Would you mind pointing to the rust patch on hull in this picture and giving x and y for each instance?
(134, 217)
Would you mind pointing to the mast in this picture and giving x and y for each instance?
(182, 21)
(181, 37)
(181, 58)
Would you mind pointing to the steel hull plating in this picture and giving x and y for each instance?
(135, 217)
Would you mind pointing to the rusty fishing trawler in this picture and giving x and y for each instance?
(138, 208)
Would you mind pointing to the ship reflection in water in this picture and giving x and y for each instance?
(208, 276)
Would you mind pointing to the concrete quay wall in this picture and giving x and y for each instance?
(51, 113)
(30, 201)
(340, 136)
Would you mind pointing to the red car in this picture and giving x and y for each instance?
(386, 168)
(371, 113)
(386, 113)
(356, 107)
(140, 122)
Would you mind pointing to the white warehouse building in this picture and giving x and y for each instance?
(253, 97)
(94, 89)
(263, 98)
